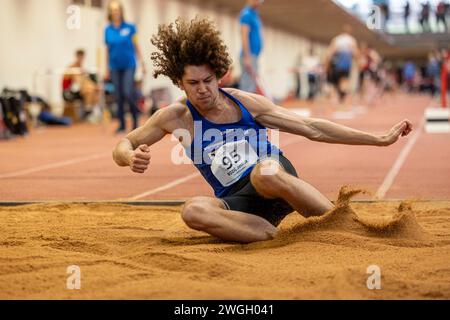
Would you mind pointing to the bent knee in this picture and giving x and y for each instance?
(266, 178)
(191, 213)
(194, 212)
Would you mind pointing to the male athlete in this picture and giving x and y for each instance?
(224, 133)
(341, 55)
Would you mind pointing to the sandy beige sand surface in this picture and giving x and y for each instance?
(146, 252)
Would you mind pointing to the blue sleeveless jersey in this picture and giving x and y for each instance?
(343, 60)
(226, 153)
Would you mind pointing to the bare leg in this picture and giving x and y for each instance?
(211, 216)
(344, 87)
(302, 196)
(89, 91)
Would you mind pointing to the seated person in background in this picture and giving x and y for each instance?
(77, 84)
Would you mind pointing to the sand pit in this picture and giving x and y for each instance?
(136, 252)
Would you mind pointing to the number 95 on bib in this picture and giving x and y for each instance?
(231, 160)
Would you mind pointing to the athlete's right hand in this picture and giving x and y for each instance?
(140, 159)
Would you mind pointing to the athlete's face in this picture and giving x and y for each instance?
(200, 85)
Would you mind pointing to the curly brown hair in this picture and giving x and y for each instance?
(185, 43)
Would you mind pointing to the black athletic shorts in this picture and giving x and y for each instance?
(244, 197)
(335, 76)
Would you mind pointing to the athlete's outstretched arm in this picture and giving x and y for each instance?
(276, 117)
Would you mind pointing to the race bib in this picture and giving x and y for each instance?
(231, 160)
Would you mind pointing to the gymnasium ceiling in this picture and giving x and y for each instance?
(318, 20)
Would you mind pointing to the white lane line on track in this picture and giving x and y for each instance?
(53, 165)
(396, 167)
(188, 177)
(166, 186)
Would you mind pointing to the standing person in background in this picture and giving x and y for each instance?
(406, 14)
(409, 74)
(308, 74)
(433, 73)
(123, 49)
(252, 44)
(440, 15)
(341, 55)
(369, 80)
(383, 5)
(386, 14)
(425, 17)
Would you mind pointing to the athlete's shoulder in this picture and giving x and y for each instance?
(240, 94)
(236, 92)
(173, 116)
(172, 111)
(253, 102)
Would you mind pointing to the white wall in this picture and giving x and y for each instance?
(35, 39)
(38, 39)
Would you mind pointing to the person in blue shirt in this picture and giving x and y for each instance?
(122, 52)
(409, 73)
(433, 73)
(252, 44)
(224, 133)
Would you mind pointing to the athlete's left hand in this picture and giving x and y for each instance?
(401, 129)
